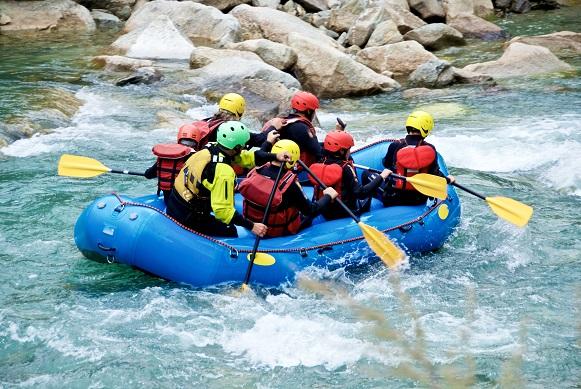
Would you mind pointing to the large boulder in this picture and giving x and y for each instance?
(274, 25)
(453, 8)
(276, 54)
(385, 33)
(202, 56)
(330, 73)
(438, 74)
(483, 8)
(117, 63)
(436, 36)
(563, 43)
(120, 8)
(429, 10)
(359, 33)
(105, 20)
(223, 5)
(400, 58)
(341, 19)
(404, 19)
(520, 59)
(159, 39)
(473, 26)
(203, 25)
(54, 15)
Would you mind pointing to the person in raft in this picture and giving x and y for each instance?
(407, 157)
(172, 156)
(336, 170)
(289, 201)
(203, 194)
(230, 107)
(298, 127)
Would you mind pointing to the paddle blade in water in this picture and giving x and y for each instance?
(430, 185)
(511, 210)
(384, 248)
(78, 166)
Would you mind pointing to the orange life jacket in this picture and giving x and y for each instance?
(306, 157)
(411, 160)
(256, 190)
(170, 160)
(331, 173)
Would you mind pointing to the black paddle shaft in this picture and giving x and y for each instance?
(469, 190)
(341, 203)
(379, 171)
(127, 172)
(264, 219)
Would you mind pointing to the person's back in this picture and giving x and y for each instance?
(289, 201)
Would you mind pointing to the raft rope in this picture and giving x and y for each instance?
(300, 250)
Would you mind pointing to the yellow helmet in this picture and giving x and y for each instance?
(290, 147)
(234, 103)
(421, 121)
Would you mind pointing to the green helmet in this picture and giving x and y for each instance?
(232, 134)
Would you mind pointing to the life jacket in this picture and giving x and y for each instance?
(411, 160)
(170, 160)
(188, 183)
(256, 190)
(306, 157)
(213, 124)
(331, 173)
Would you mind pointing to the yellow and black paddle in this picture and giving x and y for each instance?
(85, 167)
(508, 209)
(253, 255)
(384, 248)
(428, 184)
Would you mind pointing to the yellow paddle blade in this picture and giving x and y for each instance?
(83, 167)
(511, 210)
(430, 185)
(262, 259)
(384, 248)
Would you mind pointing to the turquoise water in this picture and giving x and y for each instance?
(496, 303)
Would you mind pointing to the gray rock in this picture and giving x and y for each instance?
(432, 74)
(400, 58)
(117, 63)
(563, 43)
(472, 26)
(120, 8)
(385, 33)
(266, 3)
(202, 56)
(105, 20)
(429, 10)
(276, 54)
(436, 36)
(147, 75)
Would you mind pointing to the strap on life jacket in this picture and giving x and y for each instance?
(170, 160)
(331, 173)
(411, 160)
(256, 189)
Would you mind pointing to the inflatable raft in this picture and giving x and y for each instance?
(137, 232)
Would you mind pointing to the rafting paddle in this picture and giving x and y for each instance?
(252, 256)
(509, 209)
(428, 184)
(85, 167)
(384, 248)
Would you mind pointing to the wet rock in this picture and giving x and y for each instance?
(359, 33)
(439, 74)
(223, 5)
(520, 6)
(436, 36)
(429, 10)
(472, 26)
(54, 15)
(159, 39)
(118, 63)
(400, 58)
(563, 43)
(105, 20)
(266, 3)
(462, 76)
(120, 8)
(520, 59)
(202, 56)
(147, 75)
(276, 54)
(385, 33)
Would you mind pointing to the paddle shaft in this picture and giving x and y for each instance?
(379, 171)
(469, 190)
(338, 200)
(264, 219)
(127, 172)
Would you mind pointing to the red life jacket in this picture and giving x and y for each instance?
(331, 174)
(307, 158)
(170, 159)
(411, 160)
(256, 190)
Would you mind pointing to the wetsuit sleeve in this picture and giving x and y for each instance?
(240, 220)
(246, 159)
(389, 160)
(222, 192)
(308, 144)
(359, 191)
(298, 199)
(257, 139)
(151, 172)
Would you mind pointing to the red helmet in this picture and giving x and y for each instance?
(195, 131)
(337, 140)
(304, 101)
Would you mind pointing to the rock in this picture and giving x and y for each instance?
(266, 3)
(413, 93)
(520, 59)
(474, 27)
(105, 20)
(400, 58)
(360, 32)
(520, 6)
(404, 19)
(436, 36)
(563, 43)
(117, 63)
(159, 39)
(546, 5)
(353, 50)
(216, 30)
(223, 5)
(314, 5)
(453, 8)
(5, 19)
(320, 19)
(439, 74)
(274, 25)
(202, 56)
(483, 8)
(385, 33)
(462, 76)
(54, 15)
(276, 54)
(341, 19)
(120, 8)
(330, 33)
(294, 9)
(328, 72)
(146, 75)
(429, 10)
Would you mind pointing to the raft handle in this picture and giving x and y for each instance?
(233, 252)
(303, 253)
(406, 228)
(110, 258)
(323, 249)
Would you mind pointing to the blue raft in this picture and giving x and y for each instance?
(137, 232)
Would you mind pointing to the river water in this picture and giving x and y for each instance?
(497, 305)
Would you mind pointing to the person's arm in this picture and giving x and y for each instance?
(308, 143)
(151, 172)
(361, 191)
(298, 199)
(257, 139)
(389, 160)
(222, 192)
